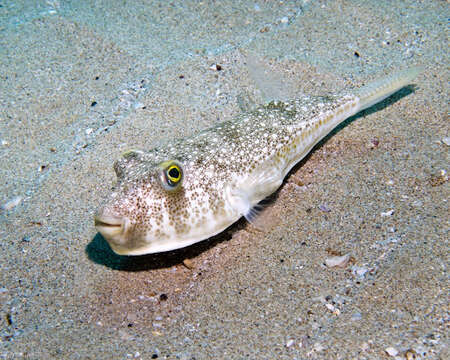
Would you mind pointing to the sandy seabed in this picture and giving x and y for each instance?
(82, 82)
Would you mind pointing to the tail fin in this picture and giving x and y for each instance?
(381, 89)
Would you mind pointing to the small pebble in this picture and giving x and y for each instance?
(374, 143)
(216, 67)
(324, 208)
(189, 264)
(440, 179)
(333, 309)
(387, 213)
(410, 354)
(10, 204)
(359, 270)
(391, 351)
(9, 319)
(289, 343)
(446, 140)
(337, 261)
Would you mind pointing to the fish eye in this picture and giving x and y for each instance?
(171, 175)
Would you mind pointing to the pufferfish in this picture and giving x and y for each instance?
(193, 188)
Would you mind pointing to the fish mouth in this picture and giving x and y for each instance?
(111, 227)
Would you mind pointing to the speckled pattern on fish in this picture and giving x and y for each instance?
(194, 188)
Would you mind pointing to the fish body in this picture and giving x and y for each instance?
(193, 188)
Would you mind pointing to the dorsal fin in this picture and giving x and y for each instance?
(272, 84)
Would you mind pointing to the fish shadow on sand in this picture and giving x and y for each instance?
(407, 90)
(99, 251)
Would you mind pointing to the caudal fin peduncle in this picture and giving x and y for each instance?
(381, 89)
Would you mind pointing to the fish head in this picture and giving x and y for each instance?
(160, 206)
